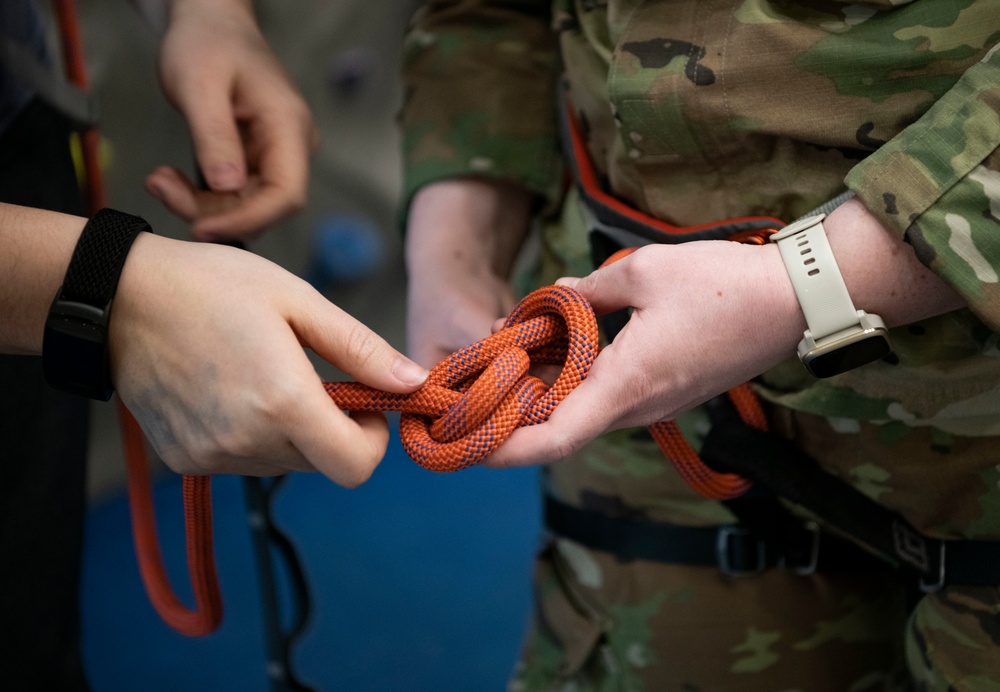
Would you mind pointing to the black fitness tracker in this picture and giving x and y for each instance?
(840, 337)
(75, 343)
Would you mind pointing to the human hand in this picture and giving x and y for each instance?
(206, 346)
(706, 316)
(253, 133)
(461, 240)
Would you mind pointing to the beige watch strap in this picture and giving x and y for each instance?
(815, 276)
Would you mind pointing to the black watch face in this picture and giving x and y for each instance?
(849, 356)
(75, 357)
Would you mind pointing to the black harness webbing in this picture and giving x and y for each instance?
(735, 549)
(768, 534)
(791, 474)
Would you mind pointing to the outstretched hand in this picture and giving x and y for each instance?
(253, 133)
(207, 352)
(694, 332)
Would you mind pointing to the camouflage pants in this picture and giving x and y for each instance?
(604, 624)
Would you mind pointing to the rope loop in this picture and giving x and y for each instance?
(474, 399)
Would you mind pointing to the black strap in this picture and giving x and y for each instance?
(735, 550)
(775, 462)
(75, 341)
(96, 265)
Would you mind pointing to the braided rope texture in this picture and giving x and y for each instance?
(474, 399)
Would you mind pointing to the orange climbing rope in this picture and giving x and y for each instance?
(470, 404)
(207, 613)
(476, 397)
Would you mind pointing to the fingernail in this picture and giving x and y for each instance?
(408, 372)
(224, 176)
(569, 281)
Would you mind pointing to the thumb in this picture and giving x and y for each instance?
(217, 144)
(606, 289)
(348, 344)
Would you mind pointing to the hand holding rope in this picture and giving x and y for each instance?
(472, 401)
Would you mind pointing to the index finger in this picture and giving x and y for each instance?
(279, 159)
(345, 449)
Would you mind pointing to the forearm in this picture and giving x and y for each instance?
(882, 272)
(883, 277)
(35, 249)
(477, 224)
(936, 185)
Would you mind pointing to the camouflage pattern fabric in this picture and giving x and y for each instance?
(697, 110)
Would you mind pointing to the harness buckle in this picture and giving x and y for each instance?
(739, 552)
(804, 562)
(928, 586)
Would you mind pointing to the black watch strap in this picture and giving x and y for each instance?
(75, 344)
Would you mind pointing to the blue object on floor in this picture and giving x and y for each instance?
(419, 581)
(344, 249)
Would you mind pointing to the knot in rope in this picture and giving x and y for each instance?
(474, 399)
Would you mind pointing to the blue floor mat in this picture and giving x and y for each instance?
(419, 581)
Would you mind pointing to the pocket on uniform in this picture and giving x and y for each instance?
(563, 612)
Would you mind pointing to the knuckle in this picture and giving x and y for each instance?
(639, 264)
(358, 473)
(361, 346)
(296, 201)
(563, 446)
(229, 444)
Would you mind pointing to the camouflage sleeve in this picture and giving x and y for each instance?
(937, 185)
(479, 82)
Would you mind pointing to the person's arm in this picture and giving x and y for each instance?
(462, 239)
(35, 249)
(921, 238)
(206, 347)
(936, 186)
(711, 315)
(480, 155)
(252, 131)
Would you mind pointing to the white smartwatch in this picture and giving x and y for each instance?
(840, 337)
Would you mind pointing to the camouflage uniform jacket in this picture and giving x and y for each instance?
(697, 111)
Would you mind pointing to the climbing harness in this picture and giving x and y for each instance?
(760, 472)
(615, 228)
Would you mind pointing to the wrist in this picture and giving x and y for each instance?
(840, 336)
(37, 246)
(779, 321)
(472, 223)
(75, 345)
(882, 271)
